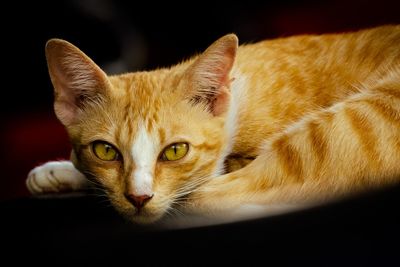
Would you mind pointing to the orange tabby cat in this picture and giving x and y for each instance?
(288, 121)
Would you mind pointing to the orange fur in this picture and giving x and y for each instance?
(319, 114)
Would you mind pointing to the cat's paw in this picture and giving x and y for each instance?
(54, 177)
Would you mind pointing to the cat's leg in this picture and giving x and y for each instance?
(55, 177)
(351, 146)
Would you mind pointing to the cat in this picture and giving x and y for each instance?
(289, 121)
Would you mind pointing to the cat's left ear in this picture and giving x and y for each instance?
(77, 80)
(209, 79)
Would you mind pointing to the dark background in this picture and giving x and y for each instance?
(127, 36)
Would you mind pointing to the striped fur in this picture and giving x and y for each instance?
(293, 120)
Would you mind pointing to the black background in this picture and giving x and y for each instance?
(79, 231)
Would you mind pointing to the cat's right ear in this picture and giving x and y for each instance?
(76, 79)
(209, 75)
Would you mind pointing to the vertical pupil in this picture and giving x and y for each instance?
(107, 148)
(174, 148)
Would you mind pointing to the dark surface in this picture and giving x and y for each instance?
(362, 231)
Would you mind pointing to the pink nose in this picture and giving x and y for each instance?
(138, 201)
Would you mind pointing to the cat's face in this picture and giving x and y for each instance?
(148, 138)
(141, 123)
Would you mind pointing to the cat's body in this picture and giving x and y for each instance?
(311, 117)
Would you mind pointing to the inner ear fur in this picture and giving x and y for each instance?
(209, 75)
(76, 79)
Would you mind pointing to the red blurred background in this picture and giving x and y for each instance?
(123, 36)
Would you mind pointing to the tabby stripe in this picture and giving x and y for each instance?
(389, 114)
(385, 110)
(126, 118)
(365, 132)
(127, 109)
(391, 92)
(155, 115)
(161, 135)
(129, 127)
(149, 125)
(289, 157)
(318, 142)
(298, 83)
(118, 135)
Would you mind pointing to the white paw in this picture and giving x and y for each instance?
(55, 176)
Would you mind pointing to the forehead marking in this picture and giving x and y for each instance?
(144, 155)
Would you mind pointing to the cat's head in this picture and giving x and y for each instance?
(148, 138)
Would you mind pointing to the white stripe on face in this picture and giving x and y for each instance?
(144, 155)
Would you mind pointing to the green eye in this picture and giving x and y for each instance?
(104, 151)
(175, 151)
